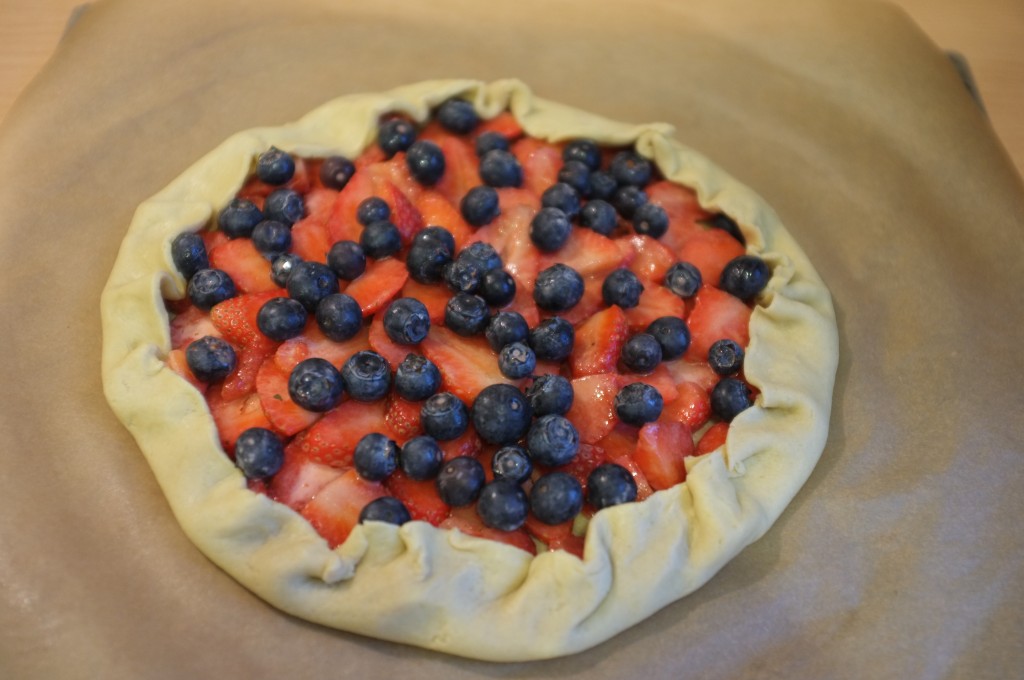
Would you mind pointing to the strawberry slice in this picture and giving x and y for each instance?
(712, 438)
(319, 203)
(404, 215)
(643, 487)
(680, 203)
(655, 302)
(696, 372)
(332, 439)
(593, 406)
(370, 155)
(299, 479)
(334, 511)
(256, 190)
(420, 498)
(437, 210)
(589, 253)
(244, 264)
(403, 419)
(189, 325)
(285, 415)
(177, 362)
(660, 379)
(460, 174)
(396, 171)
(384, 345)
(621, 441)
(433, 296)
(236, 320)
(509, 233)
(466, 444)
(504, 123)
(651, 260)
(235, 416)
(342, 224)
(313, 343)
(590, 304)
(468, 522)
(709, 251)
(555, 537)
(692, 407)
(378, 285)
(599, 342)
(311, 240)
(716, 315)
(541, 162)
(467, 365)
(660, 450)
(586, 459)
(510, 197)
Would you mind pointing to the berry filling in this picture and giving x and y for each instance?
(465, 326)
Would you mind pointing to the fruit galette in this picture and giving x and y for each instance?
(463, 368)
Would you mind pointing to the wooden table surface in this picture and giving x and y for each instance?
(988, 33)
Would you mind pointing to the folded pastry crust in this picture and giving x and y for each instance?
(441, 589)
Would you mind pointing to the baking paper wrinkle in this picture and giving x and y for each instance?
(466, 585)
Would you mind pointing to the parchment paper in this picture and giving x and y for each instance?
(901, 557)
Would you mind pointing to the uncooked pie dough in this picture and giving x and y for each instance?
(440, 589)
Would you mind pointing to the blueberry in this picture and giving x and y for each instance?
(207, 287)
(726, 224)
(444, 416)
(367, 376)
(272, 238)
(556, 498)
(562, 196)
(585, 151)
(550, 394)
(426, 162)
(372, 209)
(498, 288)
(630, 168)
(284, 205)
(429, 255)
(421, 458)
(464, 275)
(552, 339)
(385, 509)
(503, 505)
(745, 277)
(480, 205)
(641, 353)
(683, 279)
(550, 229)
(339, 317)
(499, 168)
(512, 463)
(416, 378)
(577, 175)
(311, 282)
(517, 361)
(315, 385)
(729, 397)
(275, 166)
(282, 267)
(600, 216)
(458, 116)
(651, 220)
(210, 359)
(336, 171)
(380, 239)
(259, 453)
(501, 414)
(602, 185)
(394, 135)
(239, 218)
(552, 440)
(558, 288)
(188, 251)
(627, 199)
(466, 314)
(638, 404)
(609, 484)
(406, 321)
(281, 318)
(482, 253)
(460, 481)
(489, 141)
(623, 288)
(672, 334)
(347, 260)
(505, 328)
(375, 457)
(725, 357)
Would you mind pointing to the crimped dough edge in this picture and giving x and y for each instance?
(440, 589)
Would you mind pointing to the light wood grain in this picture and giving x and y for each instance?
(988, 33)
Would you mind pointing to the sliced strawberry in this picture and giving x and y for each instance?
(342, 225)
(660, 379)
(285, 415)
(504, 123)
(177, 362)
(599, 342)
(370, 155)
(433, 296)
(697, 372)
(655, 302)
(468, 522)
(396, 171)
(255, 189)
(541, 162)
(437, 210)
(584, 462)
(716, 315)
(709, 251)
(244, 264)
(509, 233)
(692, 407)
(311, 240)
(189, 325)
(378, 285)
(404, 214)
(511, 197)
(467, 365)
(466, 444)
(313, 343)
(680, 203)
(712, 438)
(660, 450)
(385, 346)
(555, 537)
(460, 173)
(621, 441)
(334, 511)
(320, 204)
(403, 419)
(212, 239)
(593, 406)
(299, 479)
(588, 252)
(651, 260)
(332, 439)
(590, 304)
(420, 498)
(236, 320)
(235, 416)
(643, 487)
